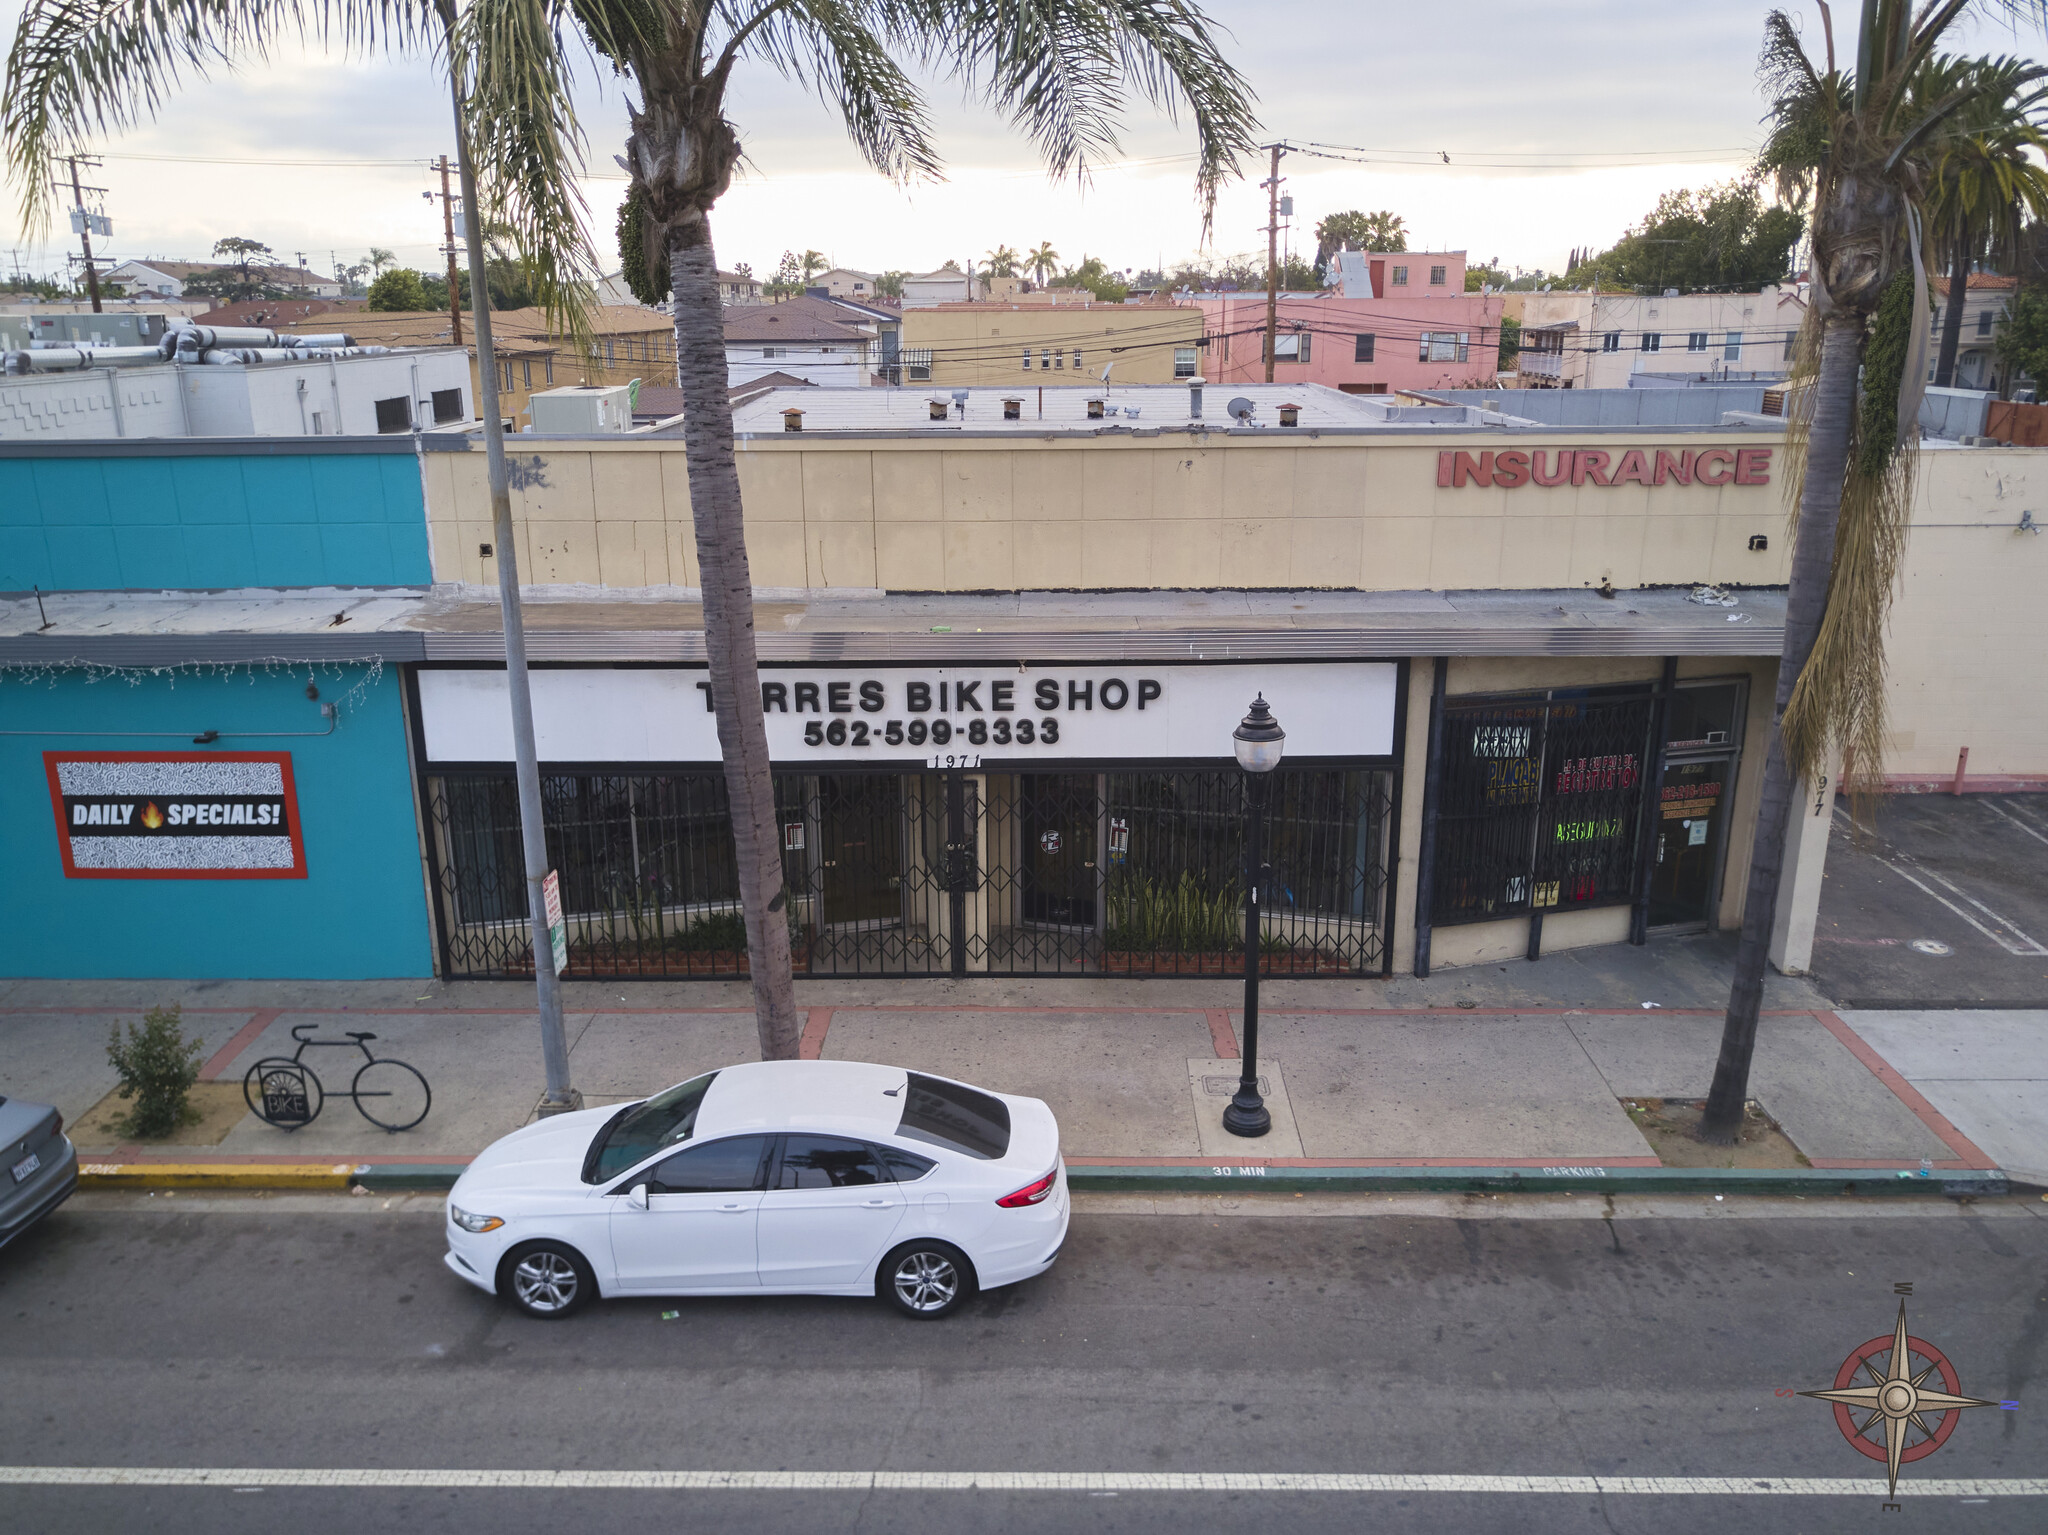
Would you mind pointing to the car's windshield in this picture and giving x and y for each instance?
(944, 1113)
(642, 1129)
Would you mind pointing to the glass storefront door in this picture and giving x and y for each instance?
(1692, 824)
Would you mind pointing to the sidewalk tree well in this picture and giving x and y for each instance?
(1057, 67)
(157, 1066)
(1851, 146)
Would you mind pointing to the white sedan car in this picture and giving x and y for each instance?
(769, 1178)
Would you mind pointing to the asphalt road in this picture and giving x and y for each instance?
(1969, 872)
(282, 1333)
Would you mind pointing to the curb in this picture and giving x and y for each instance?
(301, 1176)
(427, 1177)
(1282, 1178)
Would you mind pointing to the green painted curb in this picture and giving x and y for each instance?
(1530, 1180)
(409, 1177)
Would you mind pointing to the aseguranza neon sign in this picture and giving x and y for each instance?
(1511, 468)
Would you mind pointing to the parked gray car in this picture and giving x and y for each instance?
(38, 1165)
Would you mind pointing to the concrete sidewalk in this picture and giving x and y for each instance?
(1513, 1066)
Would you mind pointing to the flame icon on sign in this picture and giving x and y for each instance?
(151, 816)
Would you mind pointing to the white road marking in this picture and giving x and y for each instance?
(2011, 938)
(1997, 809)
(240, 1478)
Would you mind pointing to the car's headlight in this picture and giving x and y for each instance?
(474, 1223)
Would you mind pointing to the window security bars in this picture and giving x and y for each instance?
(924, 873)
(1539, 805)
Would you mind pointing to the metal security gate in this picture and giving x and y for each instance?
(923, 873)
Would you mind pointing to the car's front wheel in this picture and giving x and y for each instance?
(926, 1279)
(547, 1280)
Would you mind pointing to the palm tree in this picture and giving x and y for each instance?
(1059, 67)
(1000, 262)
(1856, 145)
(814, 262)
(1043, 263)
(1982, 183)
(378, 259)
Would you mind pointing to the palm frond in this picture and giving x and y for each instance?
(835, 48)
(1063, 70)
(528, 148)
(81, 69)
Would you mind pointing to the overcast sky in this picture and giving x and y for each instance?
(1563, 122)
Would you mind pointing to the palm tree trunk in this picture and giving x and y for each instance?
(1813, 557)
(1952, 315)
(728, 585)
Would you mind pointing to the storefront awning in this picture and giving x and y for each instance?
(119, 629)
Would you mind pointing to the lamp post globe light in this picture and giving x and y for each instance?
(1258, 742)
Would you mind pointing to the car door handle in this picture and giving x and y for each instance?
(880, 1204)
(731, 1209)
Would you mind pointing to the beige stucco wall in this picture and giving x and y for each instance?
(984, 343)
(1178, 510)
(1970, 624)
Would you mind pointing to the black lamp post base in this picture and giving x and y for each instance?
(1247, 1115)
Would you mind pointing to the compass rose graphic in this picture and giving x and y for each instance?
(1888, 1418)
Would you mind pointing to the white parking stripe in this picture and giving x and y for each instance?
(2011, 939)
(1996, 809)
(236, 1478)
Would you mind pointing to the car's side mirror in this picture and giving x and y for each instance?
(636, 1196)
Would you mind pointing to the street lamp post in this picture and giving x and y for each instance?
(1258, 742)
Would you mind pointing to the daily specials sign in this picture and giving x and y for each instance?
(953, 716)
(176, 815)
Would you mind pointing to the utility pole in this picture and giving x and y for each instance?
(84, 221)
(448, 246)
(1272, 261)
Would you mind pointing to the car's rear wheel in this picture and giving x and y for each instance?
(546, 1280)
(926, 1279)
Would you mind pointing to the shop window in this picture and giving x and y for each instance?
(447, 406)
(1540, 803)
(394, 415)
(1361, 350)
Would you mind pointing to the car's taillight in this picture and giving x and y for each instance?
(58, 1128)
(1031, 1193)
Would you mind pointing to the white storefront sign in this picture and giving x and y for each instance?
(950, 716)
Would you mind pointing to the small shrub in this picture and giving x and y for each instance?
(158, 1066)
(724, 931)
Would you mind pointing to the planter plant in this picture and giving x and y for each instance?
(157, 1066)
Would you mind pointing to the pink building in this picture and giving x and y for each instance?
(1392, 322)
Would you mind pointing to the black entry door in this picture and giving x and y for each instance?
(1059, 812)
(860, 848)
(1692, 822)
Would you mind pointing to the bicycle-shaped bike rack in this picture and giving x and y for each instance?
(282, 1090)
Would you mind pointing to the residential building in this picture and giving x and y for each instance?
(1358, 345)
(733, 288)
(1591, 340)
(815, 339)
(1987, 299)
(1397, 274)
(1019, 344)
(844, 282)
(947, 285)
(167, 279)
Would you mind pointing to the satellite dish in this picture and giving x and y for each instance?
(1240, 410)
(1105, 373)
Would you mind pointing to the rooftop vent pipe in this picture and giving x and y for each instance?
(1013, 409)
(938, 409)
(1290, 415)
(1195, 397)
(792, 420)
(1095, 410)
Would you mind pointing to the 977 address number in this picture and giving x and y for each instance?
(1044, 732)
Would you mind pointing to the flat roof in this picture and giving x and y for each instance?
(460, 624)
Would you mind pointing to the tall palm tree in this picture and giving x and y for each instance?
(1059, 68)
(1043, 263)
(1856, 145)
(1000, 262)
(1982, 180)
(814, 262)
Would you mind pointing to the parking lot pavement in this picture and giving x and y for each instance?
(1942, 902)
